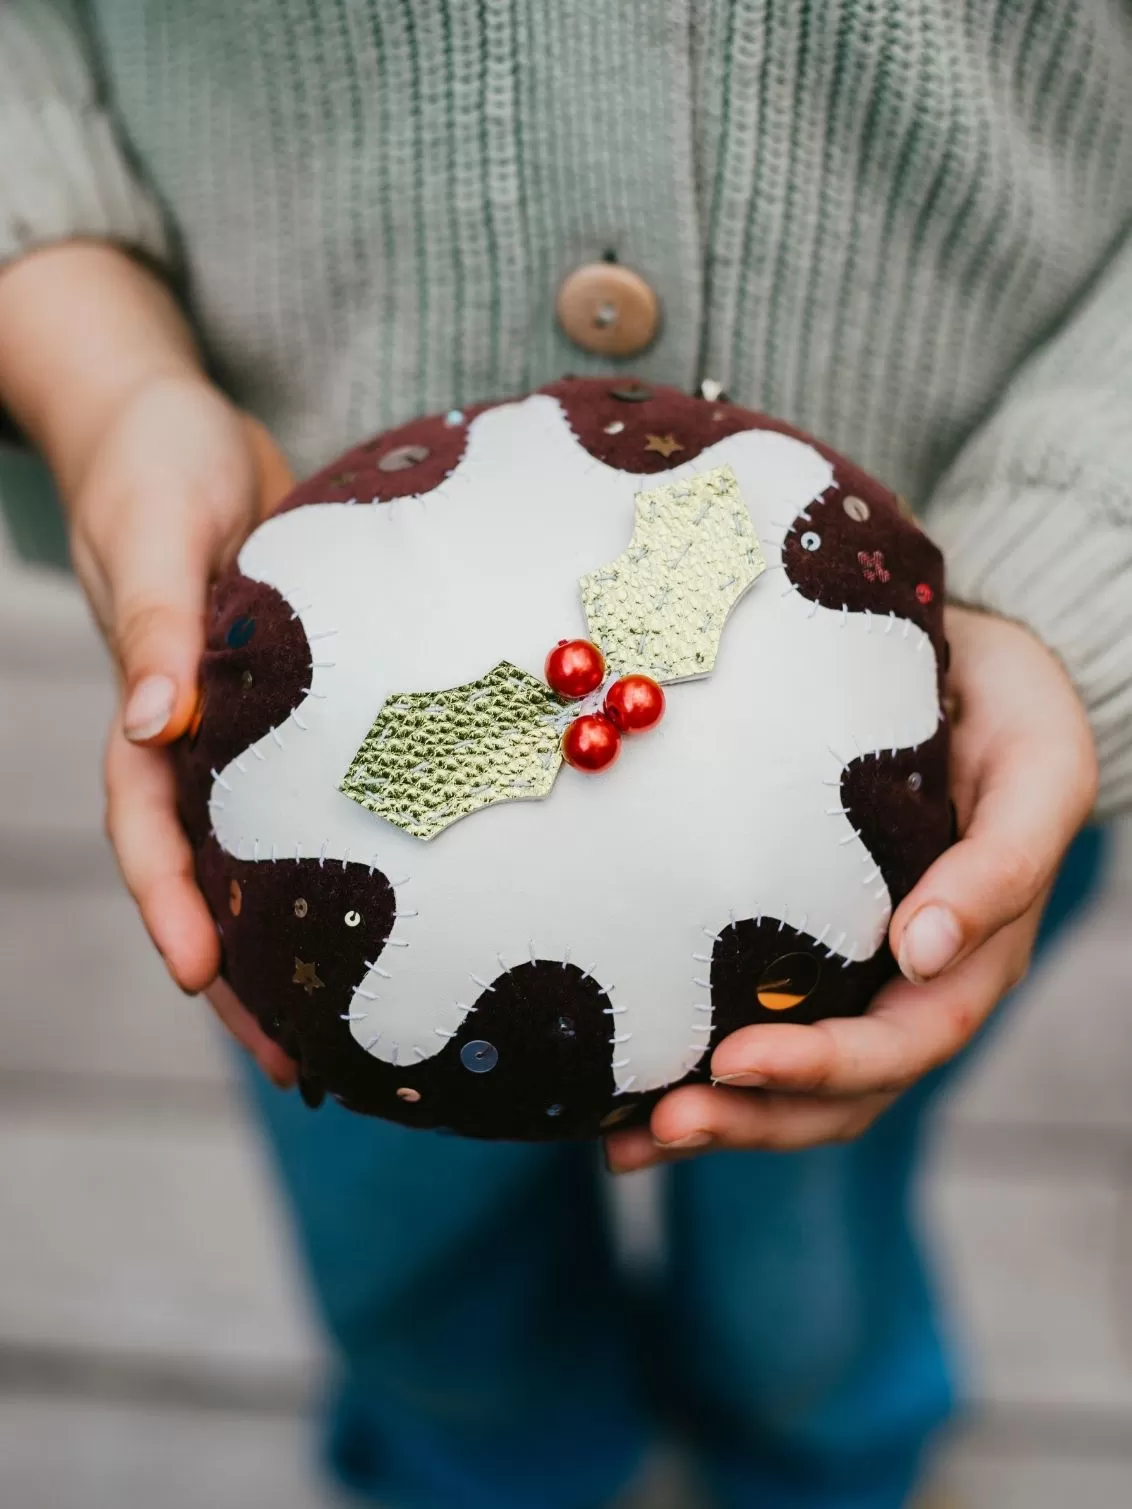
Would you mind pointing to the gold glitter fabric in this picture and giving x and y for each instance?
(431, 758)
(660, 607)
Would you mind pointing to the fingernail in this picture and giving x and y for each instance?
(149, 709)
(693, 1139)
(750, 1079)
(930, 942)
(617, 1163)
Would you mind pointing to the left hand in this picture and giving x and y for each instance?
(1023, 774)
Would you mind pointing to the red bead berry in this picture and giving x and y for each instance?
(591, 743)
(924, 593)
(634, 703)
(574, 668)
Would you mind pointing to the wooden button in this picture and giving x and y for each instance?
(608, 310)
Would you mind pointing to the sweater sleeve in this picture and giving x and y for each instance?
(63, 172)
(1035, 514)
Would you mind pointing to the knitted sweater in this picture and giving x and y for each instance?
(901, 224)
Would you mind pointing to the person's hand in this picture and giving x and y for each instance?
(1023, 780)
(162, 479)
(173, 487)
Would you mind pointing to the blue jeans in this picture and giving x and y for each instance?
(494, 1358)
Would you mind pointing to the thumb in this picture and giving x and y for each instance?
(168, 497)
(158, 628)
(1027, 809)
(1024, 774)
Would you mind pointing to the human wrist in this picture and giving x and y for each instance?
(83, 329)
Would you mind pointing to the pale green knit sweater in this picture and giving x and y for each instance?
(899, 223)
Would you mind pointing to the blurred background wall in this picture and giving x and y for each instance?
(154, 1343)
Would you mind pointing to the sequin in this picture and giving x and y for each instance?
(619, 1114)
(195, 721)
(811, 540)
(631, 392)
(856, 508)
(235, 898)
(306, 975)
(555, 1110)
(247, 681)
(788, 981)
(402, 457)
(660, 607)
(431, 758)
(407, 1093)
(479, 1057)
(240, 630)
(454, 417)
(564, 1027)
(614, 427)
(915, 781)
(352, 919)
(711, 390)
(300, 907)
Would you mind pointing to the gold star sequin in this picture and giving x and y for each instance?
(663, 445)
(306, 976)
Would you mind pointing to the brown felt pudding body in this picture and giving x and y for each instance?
(813, 755)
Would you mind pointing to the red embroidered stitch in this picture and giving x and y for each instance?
(873, 565)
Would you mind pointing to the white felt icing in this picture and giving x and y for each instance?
(730, 807)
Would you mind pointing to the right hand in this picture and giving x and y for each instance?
(171, 489)
(162, 480)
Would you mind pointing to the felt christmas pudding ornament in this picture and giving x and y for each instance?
(543, 745)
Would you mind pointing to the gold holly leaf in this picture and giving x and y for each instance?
(660, 607)
(431, 758)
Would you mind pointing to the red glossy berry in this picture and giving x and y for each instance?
(634, 703)
(591, 743)
(574, 668)
(924, 593)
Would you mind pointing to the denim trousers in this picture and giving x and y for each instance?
(494, 1354)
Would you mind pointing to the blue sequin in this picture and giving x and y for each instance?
(479, 1057)
(554, 1110)
(239, 632)
(454, 417)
